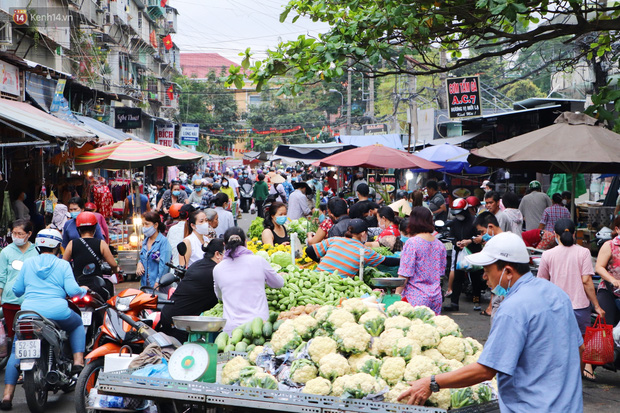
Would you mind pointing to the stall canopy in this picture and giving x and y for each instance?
(106, 133)
(310, 151)
(33, 123)
(133, 154)
(392, 140)
(377, 157)
(444, 155)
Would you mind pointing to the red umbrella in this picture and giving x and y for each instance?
(378, 157)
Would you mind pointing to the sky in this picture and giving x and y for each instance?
(228, 27)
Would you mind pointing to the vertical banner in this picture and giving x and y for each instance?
(165, 135)
(463, 96)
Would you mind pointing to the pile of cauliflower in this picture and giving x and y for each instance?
(357, 352)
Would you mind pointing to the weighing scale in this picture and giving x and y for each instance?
(389, 284)
(196, 360)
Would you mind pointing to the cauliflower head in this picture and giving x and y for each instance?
(232, 369)
(398, 321)
(476, 347)
(452, 348)
(400, 308)
(433, 354)
(255, 353)
(320, 347)
(284, 339)
(387, 340)
(446, 326)
(333, 365)
(371, 366)
(305, 326)
(322, 313)
(318, 386)
(355, 306)
(440, 399)
(395, 392)
(338, 318)
(425, 334)
(420, 366)
(356, 360)
(393, 369)
(471, 359)
(352, 338)
(406, 348)
(302, 371)
(373, 321)
(423, 313)
(262, 380)
(360, 385)
(449, 365)
(338, 386)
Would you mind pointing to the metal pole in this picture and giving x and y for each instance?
(349, 70)
(573, 197)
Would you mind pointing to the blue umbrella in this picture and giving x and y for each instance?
(452, 158)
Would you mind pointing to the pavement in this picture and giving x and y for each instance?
(601, 396)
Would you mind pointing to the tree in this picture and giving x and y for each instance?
(521, 90)
(372, 34)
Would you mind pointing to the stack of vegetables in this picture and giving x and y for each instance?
(300, 226)
(356, 351)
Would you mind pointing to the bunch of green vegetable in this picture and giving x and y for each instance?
(383, 251)
(256, 228)
(371, 273)
(301, 226)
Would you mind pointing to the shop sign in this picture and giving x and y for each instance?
(375, 129)
(127, 118)
(463, 96)
(165, 135)
(190, 133)
(9, 79)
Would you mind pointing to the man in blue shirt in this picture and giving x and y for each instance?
(70, 232)
(534, 345)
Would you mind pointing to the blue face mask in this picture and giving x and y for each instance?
(176, 193)
(499, 290)
(75, 214)
(321, 218)
(486, 237)
(281, 220)
(148, 231)
(404, 239)
(198, 189)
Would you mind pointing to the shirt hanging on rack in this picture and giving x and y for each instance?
(103, 200)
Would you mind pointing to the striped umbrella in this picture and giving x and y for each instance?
(133, 154)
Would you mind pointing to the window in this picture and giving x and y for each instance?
(6, 33)
(255, 100)
(139, 20)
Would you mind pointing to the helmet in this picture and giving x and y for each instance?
(174, 210)
(459, 205)
(473, 201)
(48, 238)
(86, 219)
(198, 182)
(89, 206)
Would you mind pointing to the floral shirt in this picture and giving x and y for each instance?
(423, 263)
(613, 266)
(326, 225)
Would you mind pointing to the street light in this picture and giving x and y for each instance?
(341, 99)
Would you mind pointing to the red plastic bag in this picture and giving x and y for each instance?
(598, 343)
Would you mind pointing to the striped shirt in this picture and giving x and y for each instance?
(343, 254)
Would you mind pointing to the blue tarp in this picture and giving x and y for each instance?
(452, 158)
(392, 140)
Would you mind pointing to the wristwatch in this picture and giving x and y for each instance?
(434, 385)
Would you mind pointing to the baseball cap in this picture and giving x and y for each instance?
(485, 183)
(506, 246)
(535, 185)
(358, 225)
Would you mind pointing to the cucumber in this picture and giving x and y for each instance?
(277, 325)
(250, 348)
(236, 336)
(246, 341)
(273, 316)
(221, 341)
(259, 341)
(241, 347)
(247, 330)
(229, 348)
(267, 330)
(257, 327)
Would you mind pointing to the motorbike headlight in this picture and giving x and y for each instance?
(122, 303)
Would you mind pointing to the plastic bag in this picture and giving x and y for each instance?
(3, 341)
(463, 264)
(598, 343)
(253, 208)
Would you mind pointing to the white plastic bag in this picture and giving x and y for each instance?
(253, 208)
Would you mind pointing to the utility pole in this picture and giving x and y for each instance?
(441, 92)
(371, 99)
(412, 114)
(349, 70)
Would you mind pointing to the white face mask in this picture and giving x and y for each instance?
(20, 241)
(203, 229)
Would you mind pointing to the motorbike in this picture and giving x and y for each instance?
(45, 357)
(246, 191)
(123, 326)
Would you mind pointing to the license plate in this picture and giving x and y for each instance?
(28, 349)
(87, 317)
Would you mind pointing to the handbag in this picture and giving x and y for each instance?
(598, 343)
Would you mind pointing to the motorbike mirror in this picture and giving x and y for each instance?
(88, 269)
(182, 248)
(167, 279)
(440, 223)
(17, 265)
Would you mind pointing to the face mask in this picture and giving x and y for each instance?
(75, 214)
(148, 231)
(225, 184)
(198, 190)
(20, 241)
(460, 217)
(403, 239)
(321, 218)
(499, 290)
(411, 204)
(25, 196)
(176, 193)
(203, 229)
(281, 220)
(564, 201)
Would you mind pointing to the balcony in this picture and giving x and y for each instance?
(171, 19)
(155, 10)
(118, 10)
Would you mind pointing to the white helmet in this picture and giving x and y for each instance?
(48, 238)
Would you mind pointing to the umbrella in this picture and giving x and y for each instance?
(134, 154)
(444, 155)
(377, 157)
(572, 145)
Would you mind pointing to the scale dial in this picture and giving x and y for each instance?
(189, 362)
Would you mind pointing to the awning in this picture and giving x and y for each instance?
(32, 122)
(311, 151)
(392, 140)
(105, 133)
(456, 139)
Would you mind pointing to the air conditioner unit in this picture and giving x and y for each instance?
(6, 34)
(107, 18)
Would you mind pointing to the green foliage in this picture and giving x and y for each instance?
(522, 89)
(606, 107)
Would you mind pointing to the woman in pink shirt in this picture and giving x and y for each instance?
(569, 266)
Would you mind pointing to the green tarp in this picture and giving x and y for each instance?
(563, 182)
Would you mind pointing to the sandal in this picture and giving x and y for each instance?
(588, 375)
(484, 312)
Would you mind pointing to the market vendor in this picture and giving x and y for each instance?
(199, 229)
(240, 280)
(534, 344)
(342, 254)
(275, 232)
(390, 235)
